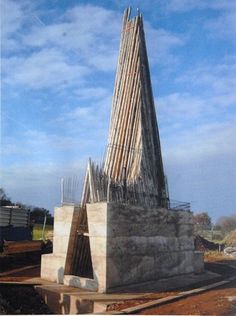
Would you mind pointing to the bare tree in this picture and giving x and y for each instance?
(227, 223)
(201, 222)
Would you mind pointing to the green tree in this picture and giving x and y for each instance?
(37, 215)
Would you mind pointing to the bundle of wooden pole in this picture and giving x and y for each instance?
(133, 152)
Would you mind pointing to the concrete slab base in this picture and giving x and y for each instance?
(63, 299)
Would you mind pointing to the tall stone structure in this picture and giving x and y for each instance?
(124, 231)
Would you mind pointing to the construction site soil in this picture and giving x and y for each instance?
(18, 298)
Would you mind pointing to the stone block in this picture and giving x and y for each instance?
(52, 268)
(121, 271)
(53, 265)
(173, 263)
(60, 245)
(97, 229)
(100, 271)
(78, 306)
(62, 229)
(65, 213)
(184, 230)
(146, 228)
(98, 246)
(140, 245)
(97, 212)
(186, 243)
(185, 217)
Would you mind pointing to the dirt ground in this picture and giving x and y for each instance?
(17, 299)
(220, 301)
(23, 299)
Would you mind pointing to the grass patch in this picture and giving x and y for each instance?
(38, 229)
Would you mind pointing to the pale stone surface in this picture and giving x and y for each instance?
(52, 268)
(53, 265)
(130, 244)
(61, 300)
(98, 246)
(60, 244)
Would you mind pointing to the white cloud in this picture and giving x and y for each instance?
(64, 52)
(224, 26)
(16, 17)
(90, 38)
(47, 68)
(92, 93)
(180, 107)
(36, 145)
(204, 141)
(215, 79)
(91, 120)
(38, 184)
(188, 5)
(160, 44)
(11, 21)
(200, 122)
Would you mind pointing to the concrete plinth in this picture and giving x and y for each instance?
(131, 245)
(53, 265)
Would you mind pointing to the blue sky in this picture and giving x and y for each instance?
(58, 68)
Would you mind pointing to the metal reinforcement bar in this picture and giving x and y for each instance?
(100, 187)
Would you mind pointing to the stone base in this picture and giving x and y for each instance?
(131, 244)
(128, 244)
(52, 268)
